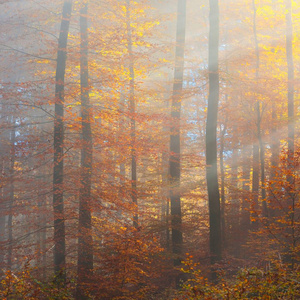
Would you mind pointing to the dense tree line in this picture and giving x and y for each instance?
(149, 149)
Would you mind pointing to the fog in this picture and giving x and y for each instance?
(149, 149)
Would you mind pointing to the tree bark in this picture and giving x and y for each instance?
(262, 163)
(2, 216)
(275, 151)
(245, 220)
(175, 151)
(222, 171)
(256, 145)
(122, 169)
(85, 238)
(291, 78)
(58, 169)
(132, 120)
(211, 137)
(291, 193)
(11, 194)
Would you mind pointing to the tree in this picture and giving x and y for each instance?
(174, 160)
(85, 238)
(291, 77)
(58, 169)
(291, 195)
(132, 115)
(211, 135)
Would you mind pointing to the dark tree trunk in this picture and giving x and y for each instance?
(122, 169)
(262, 163)
(255, 183)
(44, 252)
(85, 238)
(58, 169)
(245, 221)
(291, 78)
(11, 194)
(174, 160)
(292, 195)
(2, 217)
(235, 203)
(261, 150)
(132, 121)
(165, 174)
(3, 193)
(222, 171)
(256, 153)
(211, 136)
(164, 198)
(275, 152)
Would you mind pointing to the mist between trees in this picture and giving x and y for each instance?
(149, 149)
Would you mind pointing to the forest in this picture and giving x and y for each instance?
(149, 149)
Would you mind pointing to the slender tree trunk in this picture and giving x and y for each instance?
(3, 208)
(11, 195)
(259, 118)
(165, 174)
(245, 221)
(175, 151)
(256, 152)
(291, 131)
(2, 220)
(6, 197)
(222, 171)
(39, 219)
(234, 178)
(262, 163)
(122, 170)
(255, 182)
(275, 150)
(42, 223)
(58, 169)
(211, 137)
(44, 254)
(85, 238)
(291, 78)
(132, 114)
(235, 224)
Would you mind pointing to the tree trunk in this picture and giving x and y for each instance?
(275, 151)
(245, 220)
(3, 192)
(262, 163)
(132, 121)
(255, 184)
(256, 152)
(11, 194)
(174, 160)
(2, 216)
(211, 137)
(164, 195)
(58, 169)
(122, 169)
(85, 238)
(291, 78)
(292, 195)
(222, 171)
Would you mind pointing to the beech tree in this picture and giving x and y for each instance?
(291, 77)
(132, 110)
(58, 169)
(211, 135)
(175, 152)
(85, 238)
